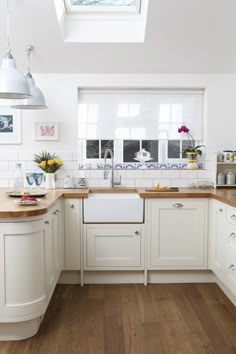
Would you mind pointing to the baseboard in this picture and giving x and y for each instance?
(19, 330)
(132, 277)
(227, 292)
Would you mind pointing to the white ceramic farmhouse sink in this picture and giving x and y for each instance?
(113, 207)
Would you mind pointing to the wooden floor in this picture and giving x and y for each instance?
(133, 319)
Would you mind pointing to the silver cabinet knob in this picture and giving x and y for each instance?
(221, 210)
(232, 267)
(46, 222)
(137, 232)
(177, 205)
(72, 206)
(54, 213)
(233, 217)
(232, 235)
(57, 211)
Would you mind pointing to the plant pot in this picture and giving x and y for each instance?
(49, 181)
(192, 160)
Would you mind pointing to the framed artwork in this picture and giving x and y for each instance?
(10, 126)
(46, 131)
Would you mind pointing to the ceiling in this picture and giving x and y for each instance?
(182, 36)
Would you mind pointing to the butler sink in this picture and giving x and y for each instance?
(113, 208)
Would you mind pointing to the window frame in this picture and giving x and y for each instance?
(101, 9)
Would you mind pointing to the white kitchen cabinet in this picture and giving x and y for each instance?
(230, 266)
(54, 246)
(22, 279)
(177, 236)
(73, 222)
(223, 244)
(112, 247)
(218, 239)
(30, 265)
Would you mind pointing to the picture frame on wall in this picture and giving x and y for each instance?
(10, 125)
(46, 131)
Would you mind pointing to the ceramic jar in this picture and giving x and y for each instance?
(49, 181)
(228, 155)
(230, 178)
(221, 178)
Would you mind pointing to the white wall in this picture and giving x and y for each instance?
(61, 94)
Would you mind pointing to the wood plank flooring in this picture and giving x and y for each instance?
(133, 319)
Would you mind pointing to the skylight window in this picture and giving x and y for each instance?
(103, 5)
(102, 21)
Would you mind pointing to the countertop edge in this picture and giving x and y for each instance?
(227, 196)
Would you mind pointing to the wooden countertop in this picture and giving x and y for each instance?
(9, 209)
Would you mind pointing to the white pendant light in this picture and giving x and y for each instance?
(13, 84)
(37, 101)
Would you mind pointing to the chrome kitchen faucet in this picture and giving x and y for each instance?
(106, 170)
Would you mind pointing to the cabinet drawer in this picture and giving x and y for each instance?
(111, 247)
(231, 215)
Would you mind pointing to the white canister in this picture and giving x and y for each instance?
(220, 178)
(230, 178)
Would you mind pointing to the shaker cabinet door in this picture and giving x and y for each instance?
(178, 237)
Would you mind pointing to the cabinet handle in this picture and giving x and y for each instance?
(177, 205)
(232, 235)
(72, 206)
(57, 211)
(232, 267)
(221, 210)
(233, 217)
(54, 213)
(137, 232)
(47, 222)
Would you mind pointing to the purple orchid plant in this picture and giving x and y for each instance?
(191, 148)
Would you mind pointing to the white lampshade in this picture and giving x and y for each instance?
(13, 84)
(37, 101)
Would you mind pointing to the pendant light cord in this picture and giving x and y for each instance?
(29, 49)
(8, 28)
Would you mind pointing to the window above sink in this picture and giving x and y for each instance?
(128, 121)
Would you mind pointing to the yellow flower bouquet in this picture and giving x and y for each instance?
(49, 163)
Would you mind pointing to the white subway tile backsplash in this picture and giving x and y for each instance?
(202, 174)
(134, 174)
(129, 183)
(69, 165)
(98, 174)
(26, 155)
(104, 183)
(8, 155)
(145, 182)
(91, 182)
(64, 155)
(75, 157)
(5, 174)
(170, 174)
(181, 182)
(95, 178)
(4, 183)
(30, 165)
(164, 182)
(82, 173)
(4, 165)
(188, 174)
(152, 174)
(12, 165)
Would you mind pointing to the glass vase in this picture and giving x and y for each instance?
(192, 160)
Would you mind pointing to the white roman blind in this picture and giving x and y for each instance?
(139, 114)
